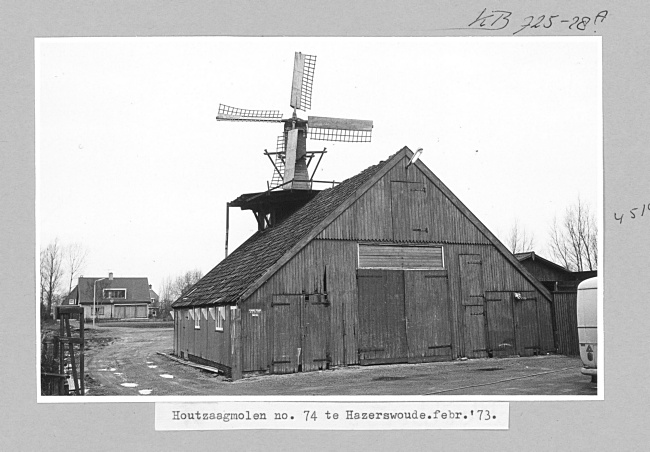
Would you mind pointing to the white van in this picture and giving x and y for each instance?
(587, 305)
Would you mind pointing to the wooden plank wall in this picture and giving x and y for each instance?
(330, 262)
(205, 342)
(337, 260)
(430, 209)
(566, 322)
(382, 330)
(501, 324)
(176, 332)
(499, 275)
(428, 309)
(321, 264)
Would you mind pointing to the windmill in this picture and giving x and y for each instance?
(291, 156)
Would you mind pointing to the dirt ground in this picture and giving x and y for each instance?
(125, 361)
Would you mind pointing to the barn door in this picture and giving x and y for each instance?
(301, 325)
(428, 322)
(526, 324)
(286, 333)
(501, 324)
(472, 298)
(382, 326)
(315, 332)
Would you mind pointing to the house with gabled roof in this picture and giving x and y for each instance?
(154, 308)
(112, 297)
(389, 266)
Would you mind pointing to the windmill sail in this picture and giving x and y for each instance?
(339, 129)
(303, 78)
(291, 159)
(227, 113)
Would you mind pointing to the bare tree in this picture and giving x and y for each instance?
(75, 259)
(187, 280)
(51, 274)
(519, 240)
(574, 239)
(172, 288)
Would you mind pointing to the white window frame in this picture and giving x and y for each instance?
(220, 318)
(197, 318)
(112, 289)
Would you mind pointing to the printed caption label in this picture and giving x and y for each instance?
(332, 415)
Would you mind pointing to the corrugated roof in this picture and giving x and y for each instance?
(226, 282)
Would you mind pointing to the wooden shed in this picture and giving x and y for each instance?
(386, 267)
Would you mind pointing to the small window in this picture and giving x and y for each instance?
(213, 314)
(99, 310)
(221, 317)
(401, 257)
(115, 293)
(197, 319)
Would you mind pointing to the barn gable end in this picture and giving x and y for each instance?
(388, 267)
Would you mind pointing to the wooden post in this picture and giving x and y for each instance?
(227, 225)
(81, 351)
(61, 360)
(73, 364)
(235, 343)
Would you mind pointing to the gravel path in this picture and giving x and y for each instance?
(125, 361)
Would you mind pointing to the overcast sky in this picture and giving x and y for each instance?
(132, 164)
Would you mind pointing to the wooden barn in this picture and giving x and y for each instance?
(387, 267)
(563, 285)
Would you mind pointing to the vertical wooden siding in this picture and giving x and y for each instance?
(472, 296)
(527, 330)
(333, 263)
(417, 204)
(205, 342)
(329, 263)
(501, 324)
(428, 316)
(323, 266)
(566, 323)
(382, 326)
(285, 315)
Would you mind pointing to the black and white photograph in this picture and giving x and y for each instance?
(371, 218)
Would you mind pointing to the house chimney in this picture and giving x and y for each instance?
(149, 286)
(110, 276)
